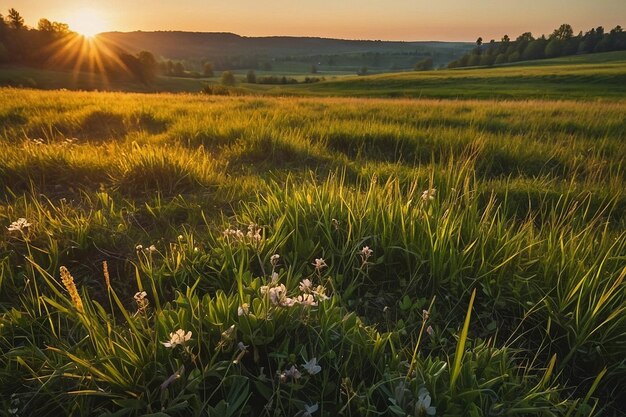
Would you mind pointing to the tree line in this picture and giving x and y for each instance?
(52, 45)
(561, 42)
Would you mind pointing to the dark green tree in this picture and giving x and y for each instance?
(563, 33)
(251, 77)
(228, 78)
(208, 70)
(148, 67)
(15, 20)
(179, 69)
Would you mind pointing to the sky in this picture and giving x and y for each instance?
(446, 20)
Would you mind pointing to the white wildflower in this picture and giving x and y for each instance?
(140, 295)
(242, 347)
(306, 300)
(243, 309)
(19, 225)
(254, 233)
(320, 292)
(423, 403)
(274, 277)
(179, 337)
(274, 259)
(309, 410)
(429, 194)
(139, 247)
(306, 285)
(430, 330)
(319, 264)
(365, 253)
(152, 249)
(312, 367)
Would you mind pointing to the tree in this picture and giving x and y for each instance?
(563, 33)
(179, 69)
(500, 59)
(208, 69)
(479, 41)
(228, 78)
(148, 66)
(45, 25)
(535, 49)
(250, 77)
(16, 21)
(554, 48)
(425, 64)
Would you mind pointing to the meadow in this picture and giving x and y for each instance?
(583, 77)
(278, 256)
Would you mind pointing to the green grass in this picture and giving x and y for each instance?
(504, 294)
(584, 77)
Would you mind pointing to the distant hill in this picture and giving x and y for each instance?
(229, 49)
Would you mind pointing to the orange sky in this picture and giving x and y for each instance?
(363, 19)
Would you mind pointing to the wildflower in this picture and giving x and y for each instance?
(152, 249)
(243, 309)
(20, 225)
(425, 314)
(277, 294)
(179, 337)
(430, 330)
(312, 367)
(274, 277)
(306, 300)
(429, 194)
(319, 264)
(274, 259)
(234, 234)
(291, 373)
(70, 286)
(423, 403)
(320, 292)
(365, 253)
(138, 248)
(242, 347)
(335, 223)
(309, 410)
(141, 300)
(254, 233)
(180, 237)
(306, 285)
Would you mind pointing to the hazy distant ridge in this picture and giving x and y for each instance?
(186, 45)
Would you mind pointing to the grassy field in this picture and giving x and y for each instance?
(581, 77)
(435, 257)
(584, 77)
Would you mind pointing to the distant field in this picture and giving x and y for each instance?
(495, 284)
(584, 77)
(581, 77)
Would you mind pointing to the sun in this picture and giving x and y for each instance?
(87, 22)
